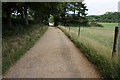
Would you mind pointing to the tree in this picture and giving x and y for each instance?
(107, 17)
(80, 9)
(8, 8)
(40, 12)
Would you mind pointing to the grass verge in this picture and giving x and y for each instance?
(108, 67)
(15, 46)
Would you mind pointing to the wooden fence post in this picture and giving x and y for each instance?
(79, 32)
(115, 41)
(69, 29)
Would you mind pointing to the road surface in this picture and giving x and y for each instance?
(53, 56)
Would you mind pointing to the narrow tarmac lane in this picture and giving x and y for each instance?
(53, 56)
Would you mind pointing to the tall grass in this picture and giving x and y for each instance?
(16, 44)
(104, 36)
(96, 52)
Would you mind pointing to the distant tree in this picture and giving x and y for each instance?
(107, 17)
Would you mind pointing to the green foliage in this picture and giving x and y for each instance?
(95, 24)
(26, 13)
(15, 30)
(107, 17)
(78, 17)
(51, 19)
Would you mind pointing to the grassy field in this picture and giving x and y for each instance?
(102, 36)
(96, 43)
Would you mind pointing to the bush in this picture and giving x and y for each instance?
(95, 24)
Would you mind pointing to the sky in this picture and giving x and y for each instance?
(99, 7)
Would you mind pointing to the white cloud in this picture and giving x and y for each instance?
(98, 7)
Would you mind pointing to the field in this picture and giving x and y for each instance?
(103, 37)
(97, 44)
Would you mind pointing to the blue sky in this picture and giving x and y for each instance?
(98, 7)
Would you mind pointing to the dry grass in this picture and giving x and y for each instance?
(15, 46)
(98, 52)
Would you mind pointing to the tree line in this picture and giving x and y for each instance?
(107, 17)
(65, 13)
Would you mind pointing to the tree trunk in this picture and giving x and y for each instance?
(21, 12)
(78, 14)
(74, 9)
(36, 18)
(79, 32)
(48, 20)
(55, 20)
(64, 15)
(69, 29)
(26, 16)
(9, 18)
